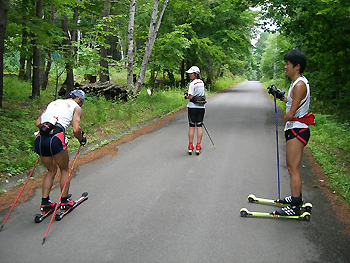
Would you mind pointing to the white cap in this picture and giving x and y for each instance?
(193, 69)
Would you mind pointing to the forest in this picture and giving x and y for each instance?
(47, 48)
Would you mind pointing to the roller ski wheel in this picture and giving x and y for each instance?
(40, 217)
(59, 216)
(253, 199)
(244, 212)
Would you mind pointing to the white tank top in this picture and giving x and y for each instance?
(303, 108)
(60, 111)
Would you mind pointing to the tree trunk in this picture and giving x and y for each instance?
(29, 69)
(49, 59)
(171, 77)
(104, 73)
(130, 65)
(120, 42)
(3, 23)
(182, 70)
(24, 48)
(152, 34)
(36, 56)
(68, 54)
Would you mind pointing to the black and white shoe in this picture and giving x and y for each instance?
(289, 200)
(288, 211)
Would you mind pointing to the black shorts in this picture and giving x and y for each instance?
(195, 116)
(50, 145)
(302, 134)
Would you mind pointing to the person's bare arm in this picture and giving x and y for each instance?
(76, 123)
(38, 120)
(298, 94)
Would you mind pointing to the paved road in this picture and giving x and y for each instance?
(154, 203)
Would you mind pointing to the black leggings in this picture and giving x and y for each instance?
(195, 117)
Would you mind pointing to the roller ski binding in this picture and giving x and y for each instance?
(70, 205)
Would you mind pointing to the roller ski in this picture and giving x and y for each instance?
(69, 206)
(198, 148)
(307, 207)
(46, 210)
(190, 148)
(305, 216)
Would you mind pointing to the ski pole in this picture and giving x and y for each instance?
(278, 155)
(209, 135)
(59, 199)
(20, 193)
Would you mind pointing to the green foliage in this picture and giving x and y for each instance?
(330, 145)
(225, 82)
(320, 28)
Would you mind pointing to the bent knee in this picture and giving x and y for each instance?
(293, 170)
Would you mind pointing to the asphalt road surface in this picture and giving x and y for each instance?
(154, 203)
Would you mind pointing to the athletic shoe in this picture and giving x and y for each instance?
(288, 211)
(289, 200)
(190, 148)
(46, 207)
(66, 205)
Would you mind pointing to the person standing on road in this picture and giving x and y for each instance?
(196, 108)
(51, 143)
(297, 132)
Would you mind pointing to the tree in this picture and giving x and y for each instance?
(49, 58)
(152, 34)
(130, 65)
(104, 72)
(36, 54)
(4, 5)
(321, 29)
(67, 46)
(24, 46)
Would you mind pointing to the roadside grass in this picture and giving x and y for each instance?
(100, 118)
(330, 146)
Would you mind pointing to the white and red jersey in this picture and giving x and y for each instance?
(196, 89)
(303, 108)
(61, 111)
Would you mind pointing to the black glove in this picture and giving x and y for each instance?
(186, 94)
(274, 91)
(83, 139)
